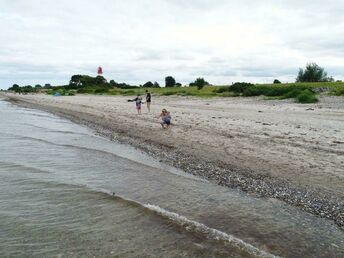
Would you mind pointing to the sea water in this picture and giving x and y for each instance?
(67, 192)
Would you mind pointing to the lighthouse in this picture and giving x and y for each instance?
(100, 71)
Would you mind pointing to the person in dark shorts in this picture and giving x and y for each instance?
(165, 119)
(148, 99)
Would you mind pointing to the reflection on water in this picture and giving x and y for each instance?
(56, 198)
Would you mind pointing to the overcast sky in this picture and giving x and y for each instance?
(139, 40)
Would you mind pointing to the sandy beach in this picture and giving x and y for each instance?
(292, 152)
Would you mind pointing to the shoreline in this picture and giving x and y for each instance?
(308, 198)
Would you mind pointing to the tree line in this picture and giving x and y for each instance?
(312, 73)
(29, 88)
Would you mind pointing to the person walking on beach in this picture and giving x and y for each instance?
(165, 119)
(138, 102)
(148, 99)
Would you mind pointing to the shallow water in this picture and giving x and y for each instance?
(65, 191)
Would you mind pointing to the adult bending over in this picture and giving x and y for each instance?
(165, 119)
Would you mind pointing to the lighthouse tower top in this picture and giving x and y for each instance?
(100, 71)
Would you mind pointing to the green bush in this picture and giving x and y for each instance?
(292, 94)
(302, 93)
(222, 89)
(113, 93)
(169, 93)
(183, 93)
(85, 90)
(50, 92)
(240, 87)
(306, 96)
(274, 91)
(230, 94)
(101, 90)
(253, 91)
(128, 93)
(277, 91)
(63, 92)
(338, 92)
(70, 93)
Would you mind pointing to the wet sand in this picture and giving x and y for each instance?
(278, 149)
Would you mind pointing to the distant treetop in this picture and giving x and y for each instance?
(313, 73)
(199, 83)
(170, 81)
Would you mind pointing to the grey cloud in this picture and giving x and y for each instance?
(134, 42)
(321, 46)
(198, 4)
(150, 56)
(267, 71)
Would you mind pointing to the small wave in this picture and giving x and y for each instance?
(210, 233)
(179, 220)
(9, 165)
(35, 126)
(54, 131)
(83, 148)
(194, 226)
(132, 158)
(105, 152)
(20, 137)
(33, 112)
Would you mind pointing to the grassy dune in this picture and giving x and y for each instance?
(336, 88)
(301, 92)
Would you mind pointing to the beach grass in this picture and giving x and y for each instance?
(301, 92)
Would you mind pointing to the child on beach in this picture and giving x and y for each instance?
(165, 119)
(138, 102)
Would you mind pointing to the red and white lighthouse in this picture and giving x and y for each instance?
(100, 71)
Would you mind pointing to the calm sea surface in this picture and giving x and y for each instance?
(66, 192)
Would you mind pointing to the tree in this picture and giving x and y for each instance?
(170, 81)
(276, 81)
(156, 85)
(47, 85)
(14, 87)
(100, 80)
(38, 86)
(148, 84)
(313, 73)
(78, 81)
(75, 80)
(123, 85)
(113, 83)
(199, 83)
(178, 84)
